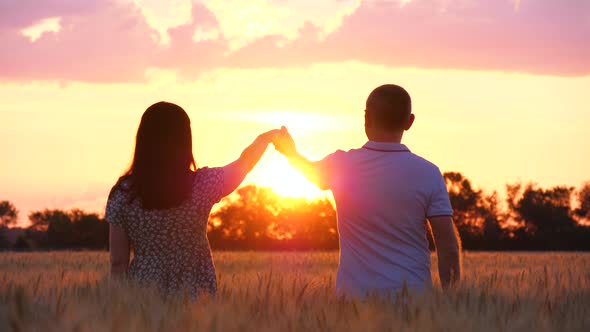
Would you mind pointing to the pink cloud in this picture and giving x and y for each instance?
(112, 42)
(191, 58)
(18, 14)
(541, 37)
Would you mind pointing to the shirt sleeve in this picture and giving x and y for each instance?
(212, 185)
(113, 213)
(439, 204)
(329, 169)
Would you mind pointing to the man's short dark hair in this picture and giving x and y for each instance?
(389, 107)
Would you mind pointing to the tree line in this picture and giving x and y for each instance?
(254, 218)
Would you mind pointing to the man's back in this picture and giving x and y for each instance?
(384, 194)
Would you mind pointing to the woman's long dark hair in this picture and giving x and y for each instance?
(160, 174)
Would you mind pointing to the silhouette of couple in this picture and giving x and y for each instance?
(384, 194)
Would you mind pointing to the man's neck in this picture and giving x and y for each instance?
(386, 137)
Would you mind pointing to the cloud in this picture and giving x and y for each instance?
(112, 41)
(162, 15)
(46, 25)
(242, 22)
(189, 57)
(538, 36)
(18, 14)
(534, 36)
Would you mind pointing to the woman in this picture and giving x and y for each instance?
(161, 205)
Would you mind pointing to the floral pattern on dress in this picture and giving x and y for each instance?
(170, 246)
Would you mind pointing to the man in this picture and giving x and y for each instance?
(384, 196)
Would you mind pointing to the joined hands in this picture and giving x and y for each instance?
(284, 143)
(281, 139)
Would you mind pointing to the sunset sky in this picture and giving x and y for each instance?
(501, 89)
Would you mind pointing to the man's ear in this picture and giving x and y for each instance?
(367, 120)
(410, 121)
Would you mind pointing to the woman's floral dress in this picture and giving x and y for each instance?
(170, 246)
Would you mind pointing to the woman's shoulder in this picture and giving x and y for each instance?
(118, 199)
(208, 174)
(121, 188)
(208, 185)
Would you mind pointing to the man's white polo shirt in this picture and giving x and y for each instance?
(384, 193)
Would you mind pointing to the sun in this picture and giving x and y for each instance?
(284, 180)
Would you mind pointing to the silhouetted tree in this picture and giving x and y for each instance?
(21, 243)
(544, 217)
(476, 216)
(69, 229)
(492, 232)
(517, 228)
(466, 202)
(245, 220)
(90, 231)
(307, 224)
(56, 227)
(8, 216)
(256, 218)
(583, 210)
(8, 213)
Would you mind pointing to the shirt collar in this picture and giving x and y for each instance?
(385, 147)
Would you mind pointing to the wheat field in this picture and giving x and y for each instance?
(290, 291)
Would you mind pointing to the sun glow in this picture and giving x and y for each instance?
(284, 180)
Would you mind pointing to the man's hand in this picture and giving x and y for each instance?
(284, 143)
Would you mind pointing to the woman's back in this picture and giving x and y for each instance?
(160, 207)
(170, 245)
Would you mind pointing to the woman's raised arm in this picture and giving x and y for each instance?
(234, 173)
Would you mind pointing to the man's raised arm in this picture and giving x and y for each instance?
(285, 144)
(448, 248)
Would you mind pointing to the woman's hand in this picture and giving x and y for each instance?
(269, 136)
